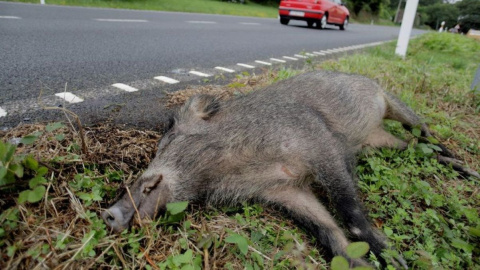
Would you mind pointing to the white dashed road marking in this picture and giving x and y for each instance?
(249, 23)
(119, 20)
(245, 65)
(166, 79)
(199, 73)
(205, 22)
(225, 69)
(124, 87)
(69, 97)
(2, 112)
(263, 63)
(9, 17)
(278, 60)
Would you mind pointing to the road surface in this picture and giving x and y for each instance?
(48, 50)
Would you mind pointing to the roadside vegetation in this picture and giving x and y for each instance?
(55, 179)
(251, 9)
(430, 13)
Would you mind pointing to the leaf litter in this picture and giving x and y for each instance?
(62, 232)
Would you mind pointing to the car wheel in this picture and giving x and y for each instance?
(323, 22)
(345, 24)
(310, 24)
(284, 21)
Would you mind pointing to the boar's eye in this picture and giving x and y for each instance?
(148, 187)
(147, 190)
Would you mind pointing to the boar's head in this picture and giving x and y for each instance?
(148, 195)
(167, 178)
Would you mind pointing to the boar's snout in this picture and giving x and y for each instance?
(115, 219)
(148, 197)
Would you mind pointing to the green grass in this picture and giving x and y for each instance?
(197, 6)
(429, 214)
(250, 9)
(426, 210)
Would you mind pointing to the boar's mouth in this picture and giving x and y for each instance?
(148, 198)
(119, 216)
(119, 220)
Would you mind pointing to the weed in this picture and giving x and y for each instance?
(197, 6)
(429, 214)
(285, 73)
(354, 251)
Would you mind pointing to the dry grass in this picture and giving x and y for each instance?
(62, 232)
(54, 233)
(62, 215)
(120, 149)
(42, 226)
(239, 86)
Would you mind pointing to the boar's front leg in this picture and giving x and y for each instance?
(302, 205)
(337, 178)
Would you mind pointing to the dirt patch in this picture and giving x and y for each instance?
(239, 86)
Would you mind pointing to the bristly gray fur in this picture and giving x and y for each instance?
(269, 146)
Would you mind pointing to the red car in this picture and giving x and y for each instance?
(319, 12)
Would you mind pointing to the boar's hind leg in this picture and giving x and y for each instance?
(303, 206)
(380, 138)
(399, 111)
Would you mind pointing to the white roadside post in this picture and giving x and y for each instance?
(42, 2)
(406, 28)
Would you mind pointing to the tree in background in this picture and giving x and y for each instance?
(393, 4)
(356, 6)
(373, 6)
(429, 2)
(434, 14)
(469, 11)
(267, 2)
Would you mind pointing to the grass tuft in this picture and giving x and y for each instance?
(428, 212)
(250, 9)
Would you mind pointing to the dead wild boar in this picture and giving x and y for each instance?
(270, 146)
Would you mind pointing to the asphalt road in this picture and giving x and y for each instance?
(44, 49)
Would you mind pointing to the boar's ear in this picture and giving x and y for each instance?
(201, 106)
(167, 122)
